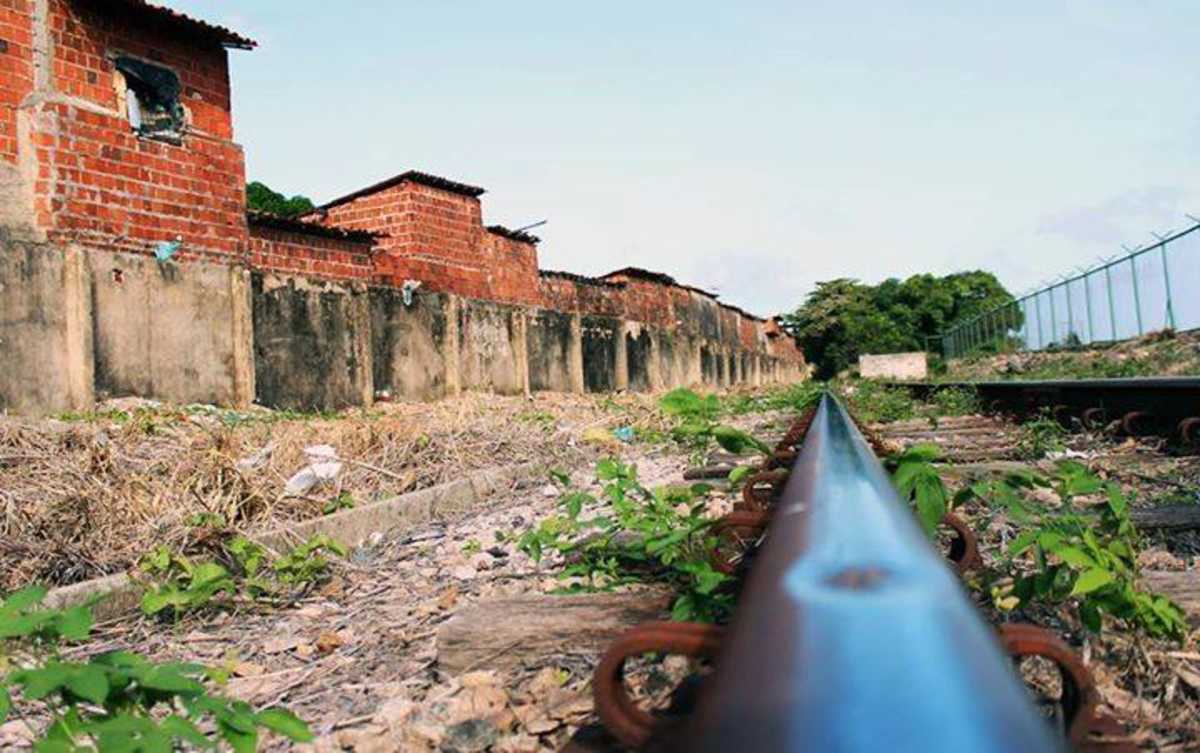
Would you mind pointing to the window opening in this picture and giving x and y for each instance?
(152, 100)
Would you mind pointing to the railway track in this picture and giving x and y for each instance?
(1168, 407)
(849, 635)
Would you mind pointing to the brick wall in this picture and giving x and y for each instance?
(512, 269)
(99, 183)
(277, 250)
(434, 236)
(16, 69)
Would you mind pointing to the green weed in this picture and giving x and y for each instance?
(121, 701)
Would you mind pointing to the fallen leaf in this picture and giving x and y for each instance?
(329, 641)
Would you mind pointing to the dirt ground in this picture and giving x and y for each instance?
(89, 495)
(359, 657)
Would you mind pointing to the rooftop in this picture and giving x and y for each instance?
(175, 21)
(411, 176)
(514, 235)
(292, 225)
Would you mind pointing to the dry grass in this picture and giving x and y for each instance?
(88, 496)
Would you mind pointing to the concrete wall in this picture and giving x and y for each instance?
(893, 366)
(491, 347)
(312, 343)
(45, 330)
(177, 332)
(76, 326)
(551, 338)
(410, 344)
(600, 337)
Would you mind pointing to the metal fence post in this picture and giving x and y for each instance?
(1167, 283)
(1037, 300)
(1070, 315)
(1053, 317)
(1112, 310)
(1137, 295)
(1087, 299)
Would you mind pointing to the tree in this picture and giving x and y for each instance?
(843, 318)
(260, 198)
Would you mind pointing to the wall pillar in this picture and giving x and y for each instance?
(654, 368)
(575, 354)
(364, 354)
(77, 332)
(621, 378)
(453, 367)
(242, 324)
(521, 348)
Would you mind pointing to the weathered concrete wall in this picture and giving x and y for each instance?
(893, 366)
(491, 347)
(312, 343)
(45, 329)
(600, 335)
(638, 358)
(551, 345)
(171, 331)
(409, 344)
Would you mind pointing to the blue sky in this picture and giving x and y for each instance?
(751, 148)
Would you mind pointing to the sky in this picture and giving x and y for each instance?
(749, 148)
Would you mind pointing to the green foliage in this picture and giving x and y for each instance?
(1041, 436)
(843, 318)
(659, 535)
(956, 401)
(795, 398)
(918, 481)
(183, 585)
(873, 402)
(472, 546)
(307, 563)
(1088, 558)
(120, 701)
(343, 501)
(697, 425)
(180, 585)
(260, 198)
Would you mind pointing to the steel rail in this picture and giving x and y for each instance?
(852, 634)
(1166, 406)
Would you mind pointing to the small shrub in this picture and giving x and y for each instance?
(121, 701)
(1087, 558)
(659, 535)
(1041, 436)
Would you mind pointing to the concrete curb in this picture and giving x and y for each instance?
(121, 596)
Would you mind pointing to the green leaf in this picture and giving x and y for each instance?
(39, 683)
(1074, 557)
(737, 441)
(5, 704)
(53, 746)
(1116, 501)
(183, 729)
(1022, 542)
(285, 723)
(1091, 580)
(90, 683)
(75, 624)
(931, 502)
(23, 600)
(737, 475)
(574, 502)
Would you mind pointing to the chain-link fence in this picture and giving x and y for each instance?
(1145, 290)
